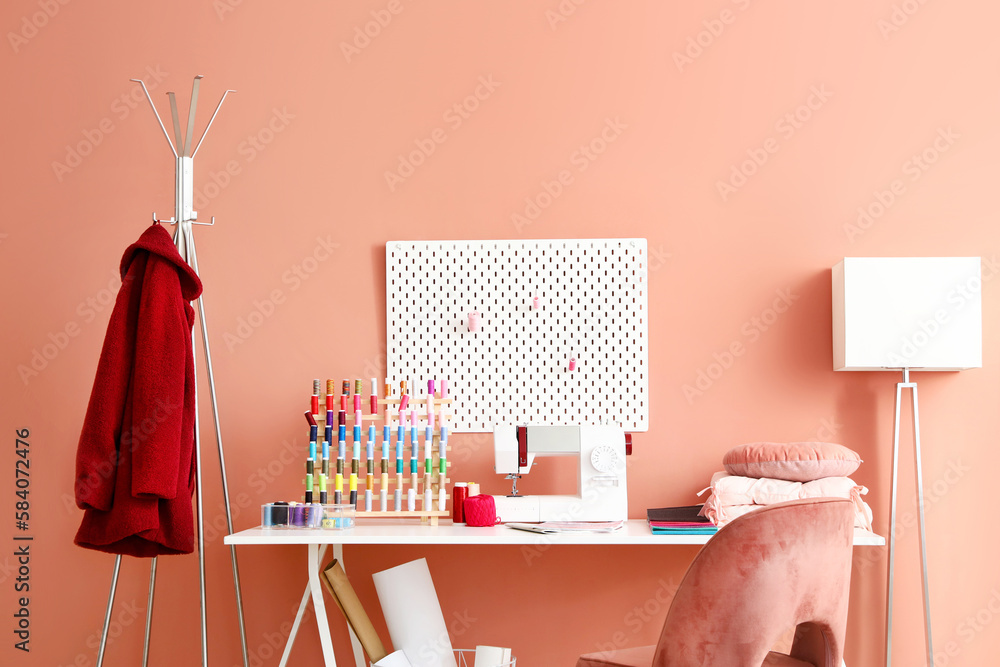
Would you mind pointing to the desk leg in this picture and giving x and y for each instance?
(295, 627)
(301, 612)
(319, 606)
(359, 651)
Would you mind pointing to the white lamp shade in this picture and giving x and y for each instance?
(907, 312)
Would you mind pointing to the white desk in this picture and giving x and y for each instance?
(410, 531)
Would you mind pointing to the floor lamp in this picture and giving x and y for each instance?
(903, 314)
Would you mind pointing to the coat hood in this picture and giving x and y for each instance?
(157, 240)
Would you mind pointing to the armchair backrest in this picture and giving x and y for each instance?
(783, 566)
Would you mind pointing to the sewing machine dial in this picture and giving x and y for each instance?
(604, 458)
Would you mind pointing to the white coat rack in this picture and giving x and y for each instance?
(184, 217)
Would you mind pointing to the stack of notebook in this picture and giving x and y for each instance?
(679, 521)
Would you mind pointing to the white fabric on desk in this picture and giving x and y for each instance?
(733, 496)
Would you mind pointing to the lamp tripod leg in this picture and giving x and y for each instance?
(912, 386)
(892, 528)
(923, 532)
(107, 614)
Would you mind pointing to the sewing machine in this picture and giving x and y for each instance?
(602, 494)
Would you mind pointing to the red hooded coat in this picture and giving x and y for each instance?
(135, 463)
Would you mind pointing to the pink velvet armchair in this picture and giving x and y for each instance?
(784, 566)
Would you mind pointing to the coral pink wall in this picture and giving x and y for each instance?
(740, 138)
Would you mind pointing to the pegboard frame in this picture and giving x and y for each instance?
(594, 307)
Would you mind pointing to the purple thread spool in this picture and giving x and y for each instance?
(314, 515)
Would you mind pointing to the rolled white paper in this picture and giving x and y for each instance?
(413, 614)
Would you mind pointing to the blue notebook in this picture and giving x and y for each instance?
(684, 530)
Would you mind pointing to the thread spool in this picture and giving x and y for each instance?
(314, 515)
(475, 319)
(459, 493)
(279, 513)
(481, 511)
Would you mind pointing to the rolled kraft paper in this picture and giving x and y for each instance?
(343, 594)
(413, 614)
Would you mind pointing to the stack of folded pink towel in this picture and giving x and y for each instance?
(764, 473)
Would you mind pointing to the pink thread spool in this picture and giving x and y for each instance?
(536, 302)
(572, 363)
(474, 320)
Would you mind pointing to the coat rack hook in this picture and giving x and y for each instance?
(210, 120)
(176, 118)
(192, 108)
(158, 221)
(156, 113)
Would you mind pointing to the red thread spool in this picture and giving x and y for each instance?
(481, 510)
(459, 493)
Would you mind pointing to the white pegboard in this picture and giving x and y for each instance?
(515, 368)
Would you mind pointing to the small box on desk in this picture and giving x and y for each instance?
(307, 515)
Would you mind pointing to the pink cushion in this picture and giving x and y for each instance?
(792, 461)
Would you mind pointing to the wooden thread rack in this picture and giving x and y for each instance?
(397, 482)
